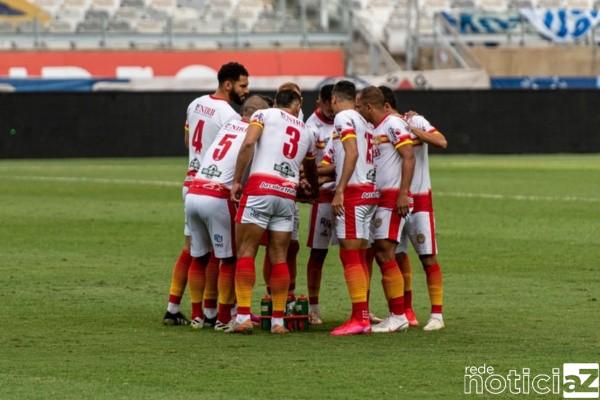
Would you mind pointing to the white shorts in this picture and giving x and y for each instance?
(186, 227)
(321, 234)
(420, 230)
(273, 213)
(387, 224)
(211, 220)
(355, 223)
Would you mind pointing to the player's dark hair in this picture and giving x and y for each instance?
(285, 98)
(344, 90)
(388, 95)
(231, 72)
(290, 86)
(325, 93)
(267, 99)
(373, 96)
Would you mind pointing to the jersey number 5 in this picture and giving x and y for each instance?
(197, 139)
(290, 149)
(225, 142)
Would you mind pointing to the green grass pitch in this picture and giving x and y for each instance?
(87, 246)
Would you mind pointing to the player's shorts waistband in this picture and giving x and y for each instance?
(189, 177)
(264, 185)
(209, 188)
(423, 202)
(389, 196)
(359, 194)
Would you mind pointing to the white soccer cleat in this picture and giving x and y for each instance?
(314, 318)
(374, 319)
(197, 323)
(434, 324)
(393, 323)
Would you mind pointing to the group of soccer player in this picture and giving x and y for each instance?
(362, 165)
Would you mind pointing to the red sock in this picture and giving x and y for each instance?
(280, 282)
(245, 278)
(408, 299)
(224, 312)
(435, 287)
(356, 281)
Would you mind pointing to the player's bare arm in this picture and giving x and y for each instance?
(408, 168)
(186, 136)
(434, 138)
(350, 158)
(243, 160)
(310, 173)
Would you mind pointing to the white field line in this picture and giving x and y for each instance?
(520, 197)
(489, 196)
(77, 179)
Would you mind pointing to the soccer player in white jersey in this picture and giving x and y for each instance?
(320, 232)
(279, 143)
(210, 212)
(294, 246)
(394, 162)
(206, 115)
(354, 201)
(420, 227)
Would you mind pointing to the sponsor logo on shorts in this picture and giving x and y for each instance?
(284, 169)
(211, 171)
(324, 233)
(218, 238)
(370, 195)
(326, 222)
(278, 188)
(420, 238)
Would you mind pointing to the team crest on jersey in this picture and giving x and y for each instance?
(259, 117)
(371, 175)
(195, 164)
(212, 171)
(284, 169)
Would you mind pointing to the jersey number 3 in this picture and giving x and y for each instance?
(290, 149)
(197, 139)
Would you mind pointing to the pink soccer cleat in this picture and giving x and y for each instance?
(352, 327)
(412, 318)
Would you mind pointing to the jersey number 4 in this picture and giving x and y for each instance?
(224, 146)
(290, 149)
(197, 139)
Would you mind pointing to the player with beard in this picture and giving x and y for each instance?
(206, 115)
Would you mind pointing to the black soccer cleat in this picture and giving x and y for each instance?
(210, 322)
(175, 319)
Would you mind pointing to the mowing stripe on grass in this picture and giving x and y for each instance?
(489, 196)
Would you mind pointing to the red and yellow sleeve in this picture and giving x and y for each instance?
(348, 134)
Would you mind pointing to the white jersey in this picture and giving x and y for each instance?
(280, 150)
(421, 182)
(215, 175)
(322, 129)
(391, 134)
(206, 115)
(350, 124)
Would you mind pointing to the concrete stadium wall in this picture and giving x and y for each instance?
(539, 61)
(52, 125)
